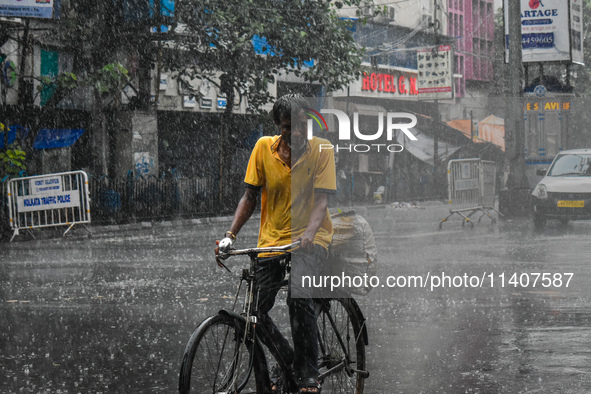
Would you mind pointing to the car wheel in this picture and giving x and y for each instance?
(539, 221)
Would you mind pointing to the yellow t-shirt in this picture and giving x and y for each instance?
(288, 193)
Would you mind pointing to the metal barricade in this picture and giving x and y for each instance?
(471, 189)
(48, 201)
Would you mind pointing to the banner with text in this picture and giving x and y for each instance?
(26, 8)
(551, 30)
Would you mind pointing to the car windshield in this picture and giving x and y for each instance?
(571, 165)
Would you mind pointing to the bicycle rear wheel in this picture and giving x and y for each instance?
(217, 360)
(342, 347)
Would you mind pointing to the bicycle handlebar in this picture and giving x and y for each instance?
(269, 249)
(253, 251)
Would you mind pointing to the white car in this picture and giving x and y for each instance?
(565, 191)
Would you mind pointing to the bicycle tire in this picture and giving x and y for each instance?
(345, 357)
(217, 359)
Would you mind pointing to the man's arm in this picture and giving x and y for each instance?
(316, 218)
(244, 210)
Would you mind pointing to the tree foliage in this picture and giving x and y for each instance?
(92, 32)
(13, 160)
(213, 39)
(112, 78)
(216, 36)
(108, 82)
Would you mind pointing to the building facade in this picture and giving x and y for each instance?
(471, 24)
(183, 131)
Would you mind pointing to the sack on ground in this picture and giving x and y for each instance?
(353, 251)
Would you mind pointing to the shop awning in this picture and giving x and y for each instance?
(14, 132)
(490, 129)
(56, 138)
(464, 125)
(361, 109)
(422, 149)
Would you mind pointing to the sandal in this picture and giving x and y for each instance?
(282, 381)
(309, 385)
(277, 380)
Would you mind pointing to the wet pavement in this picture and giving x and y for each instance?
(112, 313)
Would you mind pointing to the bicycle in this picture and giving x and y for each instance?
(225, 352)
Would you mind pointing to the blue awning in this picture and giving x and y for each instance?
(14, 131)
(56, 138)
(262, 47)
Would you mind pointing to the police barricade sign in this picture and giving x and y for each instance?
(471, 189)
(49, 201)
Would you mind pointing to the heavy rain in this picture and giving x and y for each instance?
(113, 313)
(130, 130)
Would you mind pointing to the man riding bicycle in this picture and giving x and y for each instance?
(296, 178)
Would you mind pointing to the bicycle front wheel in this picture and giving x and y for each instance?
(217, 359)
(342, 348)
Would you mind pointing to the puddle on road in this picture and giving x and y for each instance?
(115, 317)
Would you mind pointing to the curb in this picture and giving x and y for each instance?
(368, 211)
(102, 229)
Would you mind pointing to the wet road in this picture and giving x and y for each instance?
(112, 313)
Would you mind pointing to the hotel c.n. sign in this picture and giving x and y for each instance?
(395, 83)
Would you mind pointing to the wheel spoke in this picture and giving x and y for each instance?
(221, 361)
(342, 351)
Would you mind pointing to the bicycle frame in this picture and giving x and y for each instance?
(252, 331)
(253, 335)
(251, 318)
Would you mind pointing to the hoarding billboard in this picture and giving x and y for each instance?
(576, 30)
(27, 8)
(435, 73)
(546, 30)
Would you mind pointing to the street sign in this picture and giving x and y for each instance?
(163, 81)
(206, 102)
(222, 102)
(188, 101)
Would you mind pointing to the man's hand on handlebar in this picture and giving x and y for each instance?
(306, 241)
(252, 252)
(225, 245)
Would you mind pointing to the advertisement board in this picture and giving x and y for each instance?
(26, 8)
(576, 30)
(549, 30)
(435, 73)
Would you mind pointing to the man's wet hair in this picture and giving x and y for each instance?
(284, 106)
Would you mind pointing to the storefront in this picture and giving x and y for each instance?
(380, 162)
(547, 112)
